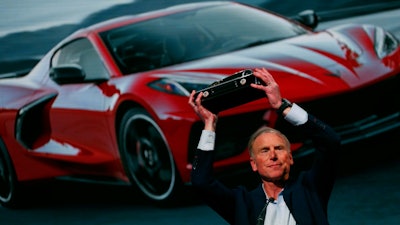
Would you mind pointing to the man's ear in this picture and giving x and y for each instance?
(253, 164)
(291, 158)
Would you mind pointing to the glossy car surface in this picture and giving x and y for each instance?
(109, 103)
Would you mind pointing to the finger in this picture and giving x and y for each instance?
(190, 101)
(198, 99)
(258, 86)
(269, 76)
(262, 74)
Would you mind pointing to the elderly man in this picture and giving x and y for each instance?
(279, 199)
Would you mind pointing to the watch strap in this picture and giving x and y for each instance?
(285, 104)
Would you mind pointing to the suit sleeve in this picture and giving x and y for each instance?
(211, 191)
(327, 145)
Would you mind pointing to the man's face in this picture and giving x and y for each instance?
(272, 158)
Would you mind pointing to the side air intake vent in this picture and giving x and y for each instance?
(32, 127)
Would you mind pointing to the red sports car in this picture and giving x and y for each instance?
(109, 102)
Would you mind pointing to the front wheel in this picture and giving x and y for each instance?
(8, 180)
(146, 156)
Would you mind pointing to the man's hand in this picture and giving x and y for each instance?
(271, 88)
(209, 119)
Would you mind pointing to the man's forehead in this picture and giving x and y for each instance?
(272, 138)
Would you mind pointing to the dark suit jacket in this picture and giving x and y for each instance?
(306, 195)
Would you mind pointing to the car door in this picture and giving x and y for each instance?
(80, 115)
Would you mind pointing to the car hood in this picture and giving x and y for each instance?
(320, 64)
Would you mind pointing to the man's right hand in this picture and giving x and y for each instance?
(209, 118)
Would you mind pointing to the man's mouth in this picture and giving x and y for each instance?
(275, 165)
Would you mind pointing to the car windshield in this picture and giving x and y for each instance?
(191, 35)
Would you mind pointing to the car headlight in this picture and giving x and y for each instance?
(385, 42)
(178, 86)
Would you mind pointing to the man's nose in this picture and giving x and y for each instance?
(272, 154)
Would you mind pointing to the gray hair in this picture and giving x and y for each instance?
(263, 130)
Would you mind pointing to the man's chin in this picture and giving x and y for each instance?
(277, 177)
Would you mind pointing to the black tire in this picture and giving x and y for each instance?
(146, 156)
(8, 180)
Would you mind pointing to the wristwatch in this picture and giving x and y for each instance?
(285, 104)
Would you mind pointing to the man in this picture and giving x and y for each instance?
(279, 199)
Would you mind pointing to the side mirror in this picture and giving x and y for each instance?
(64, 74)
(308, 18)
